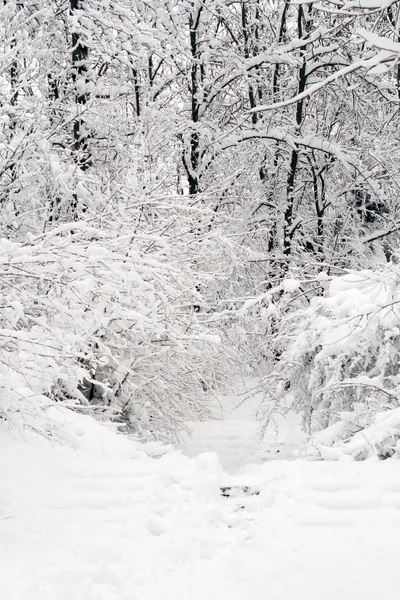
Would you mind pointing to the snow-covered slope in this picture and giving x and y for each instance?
(106, 522)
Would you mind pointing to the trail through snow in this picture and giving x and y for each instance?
(235, 435)
(106, 522)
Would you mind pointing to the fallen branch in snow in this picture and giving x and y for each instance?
(238, 490)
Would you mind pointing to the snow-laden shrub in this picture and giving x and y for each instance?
(341, 366)
(101, 319)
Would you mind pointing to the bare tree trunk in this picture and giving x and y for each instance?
(270, 179)
(192, 162)
(81, 151)
(288, 225)
(14, 84)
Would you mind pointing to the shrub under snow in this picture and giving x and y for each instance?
(103, 321)
(341, 366)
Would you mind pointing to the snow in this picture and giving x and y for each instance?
(103, 520)
(379, 41)
(290, 285)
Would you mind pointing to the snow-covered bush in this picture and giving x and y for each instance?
(341, 366)
(101, 318)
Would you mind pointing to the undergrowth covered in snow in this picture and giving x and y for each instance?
(340, 366)
(104, 322)
(123, 327)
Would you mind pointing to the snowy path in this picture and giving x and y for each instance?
(127, 527)
(235, 436)
(235, 442)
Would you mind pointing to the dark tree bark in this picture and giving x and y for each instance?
(81, 151)
(191, 160)
(14, 83)
(288, 225)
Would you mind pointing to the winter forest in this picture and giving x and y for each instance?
(196, 192)
(199, 299)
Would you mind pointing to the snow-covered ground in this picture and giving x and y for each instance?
(103, 521)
